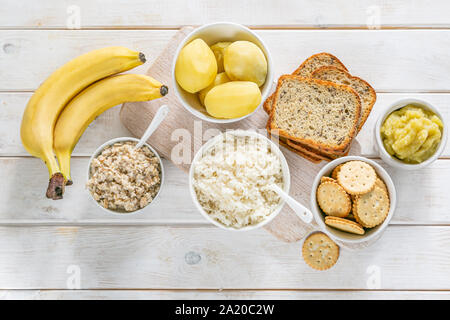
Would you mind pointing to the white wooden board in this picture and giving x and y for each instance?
(139, 257)
(40, 239)
(108, 125)
(264, 13)
(26, 203)
(222, 294)
(390, 60)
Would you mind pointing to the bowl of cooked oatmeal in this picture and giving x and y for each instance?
(122, 179)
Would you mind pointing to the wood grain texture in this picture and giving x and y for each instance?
(265, 13)
(27, 203)
(406, 258)
(108, 124)
(221, 295)
(427, 205)
(141, 252)
(390, 60)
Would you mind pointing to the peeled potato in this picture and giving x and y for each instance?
(218, 50)
(233, 99)
(220, 79)
(245, 61)
(196, 66)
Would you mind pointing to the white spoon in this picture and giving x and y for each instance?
(154, 124)
(298, 208)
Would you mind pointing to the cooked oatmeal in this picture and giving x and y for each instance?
(124, 179)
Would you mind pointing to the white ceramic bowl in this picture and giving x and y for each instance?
(97, 153)
(390, 160)
(274, 148)
(345, 237)
(211, 34)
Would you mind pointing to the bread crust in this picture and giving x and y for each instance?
(310, 142)
(302, 154)
(307, 151)
(298, 70)
(267, 106)
(373, 94)
(283, 142)
(331, 155)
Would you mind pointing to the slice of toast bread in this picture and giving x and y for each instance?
(328, 156)
(316, 61)
(284, 142)
(307, 67)
(307, 150)
(314, 159)
(317, 113)
(366, 92)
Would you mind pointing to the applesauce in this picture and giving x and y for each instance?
(412, 134)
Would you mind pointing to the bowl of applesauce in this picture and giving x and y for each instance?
(411, 134)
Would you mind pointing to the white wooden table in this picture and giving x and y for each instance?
(48, 248)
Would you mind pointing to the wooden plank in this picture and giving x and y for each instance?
(108, 125)
(174, 13)
(220, 295)
(22, 199)
(406, 258)
(12, 105)
(382, 57)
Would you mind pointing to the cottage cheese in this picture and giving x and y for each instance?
(232, 180)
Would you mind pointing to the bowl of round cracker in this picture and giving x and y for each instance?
(353, 200)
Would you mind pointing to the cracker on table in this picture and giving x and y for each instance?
(319, 251)
(357, 177)
(333, 200)
(372, 208)
(344, 225)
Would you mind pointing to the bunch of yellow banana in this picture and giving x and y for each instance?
(72, 97)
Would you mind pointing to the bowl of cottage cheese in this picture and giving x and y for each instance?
(231, 176)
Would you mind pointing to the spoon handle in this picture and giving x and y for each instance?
(302, 212)
(156, 121)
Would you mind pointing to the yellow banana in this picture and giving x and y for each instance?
(93, 101)
(49, 99)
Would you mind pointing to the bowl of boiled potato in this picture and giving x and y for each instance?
(222, 72)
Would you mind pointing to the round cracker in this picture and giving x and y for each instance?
(357, 177)
(335, 171)
(344, 225)
(327, 179)
(380, 183)
(372, 208)
(333, 200)
(320, 252)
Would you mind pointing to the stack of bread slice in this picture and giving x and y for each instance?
(318, 110)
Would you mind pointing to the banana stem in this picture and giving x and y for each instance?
(56, 186)
(64, 164)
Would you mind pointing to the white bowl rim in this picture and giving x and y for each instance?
(111, 142)
(319, 216)
(284, 165)
(398, 104)
(200, 115)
